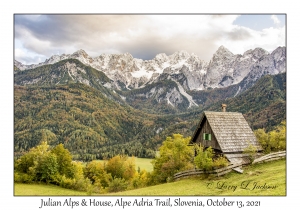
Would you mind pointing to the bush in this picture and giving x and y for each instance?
(251, 151)
(97, 187)
(17, 177)
(28, 162)
(118, 184)
(204, 159)
(140, 179)
(43, 164)
(83, 184)
(64, 160)
(174, 155)
(46, 168)
(220, 162)
(76, 170)
(56, 179)
(96, 172)
(67, 182)
(274, 140)
(121, 166)
(23, 177)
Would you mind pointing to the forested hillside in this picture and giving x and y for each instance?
(263, 105)
(69, 103)
(89, 124)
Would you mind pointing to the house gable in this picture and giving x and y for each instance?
(230, 132)
(204, 131)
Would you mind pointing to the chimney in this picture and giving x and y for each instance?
(224, 107)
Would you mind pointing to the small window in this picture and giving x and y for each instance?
(207, 136)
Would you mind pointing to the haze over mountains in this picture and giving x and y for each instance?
(167, 93)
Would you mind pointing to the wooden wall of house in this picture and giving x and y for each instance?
(205, 128)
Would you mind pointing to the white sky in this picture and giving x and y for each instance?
(37, 37)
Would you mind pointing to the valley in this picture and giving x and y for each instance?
(115, 104)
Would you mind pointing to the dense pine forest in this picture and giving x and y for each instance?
(84, 120)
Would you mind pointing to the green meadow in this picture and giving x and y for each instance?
(44, 190)
(142, 163)
(259, 179)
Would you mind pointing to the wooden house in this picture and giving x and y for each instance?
(228, 133)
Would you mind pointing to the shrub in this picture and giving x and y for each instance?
(274, 140)
(251, 151)
(96, 172)
(46, 168)
(130, 171)
(204, 159)
(67, 182)
(64, 160)
(52, 166)
(174, 155)
(140, 179)
(118, 184)
(23, 177)
(76, 170)
(121, 166)
(220, 162)
(28, 162)
(83, 184)
(97, 187)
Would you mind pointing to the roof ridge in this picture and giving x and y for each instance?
(222, 112)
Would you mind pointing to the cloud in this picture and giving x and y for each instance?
(239, 33)
(143, 36)
(275, 19)
(28, 57)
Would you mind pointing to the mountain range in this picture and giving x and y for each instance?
(100, 96)
(224, 69)
(126, 74)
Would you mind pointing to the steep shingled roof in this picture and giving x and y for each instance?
(231, 131)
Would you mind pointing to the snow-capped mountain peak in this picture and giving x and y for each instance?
(222, 53)
(179, 55)
(161, 58)
(80, 52)
(222, 70)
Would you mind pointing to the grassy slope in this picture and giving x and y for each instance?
(272, 173)
(144, 163)
(44, 190)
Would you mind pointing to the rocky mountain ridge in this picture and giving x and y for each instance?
(224, 69)
(116, 104)
(177, 81)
